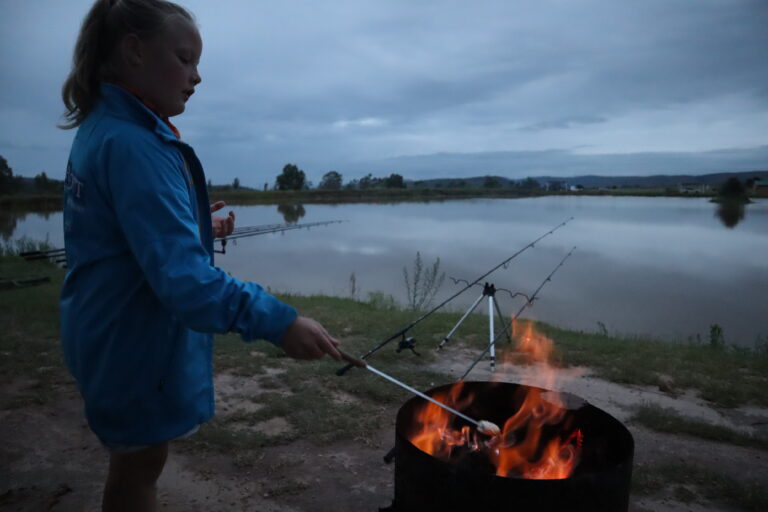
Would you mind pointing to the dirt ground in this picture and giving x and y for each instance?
(50, 461)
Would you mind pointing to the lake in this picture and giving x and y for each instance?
(668, 268)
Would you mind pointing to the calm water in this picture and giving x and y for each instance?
(665, 267)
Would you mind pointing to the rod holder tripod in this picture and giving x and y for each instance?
(489, 291)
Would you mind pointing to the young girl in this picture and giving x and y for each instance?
(141, 296)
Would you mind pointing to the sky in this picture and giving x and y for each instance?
(430, 89)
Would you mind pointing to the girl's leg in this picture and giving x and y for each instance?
(131, 483)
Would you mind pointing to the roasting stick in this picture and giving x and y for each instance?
(486, 427)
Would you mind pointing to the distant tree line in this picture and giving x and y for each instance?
(40, 184)
(293, 178)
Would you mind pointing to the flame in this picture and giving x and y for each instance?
(522, 449)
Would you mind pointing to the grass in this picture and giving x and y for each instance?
(662, 419)
(680, 478)
(724, 375)
(727, 377)
(29, 323)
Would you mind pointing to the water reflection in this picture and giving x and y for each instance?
(291, 213)
(8, 222)
(11, 218)
(730, 213)
(667, 267)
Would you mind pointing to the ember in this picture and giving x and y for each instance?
(538, 440)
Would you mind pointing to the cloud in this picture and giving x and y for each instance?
(364, 122)
(563, 123)
(342, 83)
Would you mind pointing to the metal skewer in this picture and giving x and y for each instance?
(484, 426)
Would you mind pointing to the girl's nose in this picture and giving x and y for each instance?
(196, 78)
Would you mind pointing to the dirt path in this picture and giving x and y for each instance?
(51, 462)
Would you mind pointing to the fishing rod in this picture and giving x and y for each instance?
(41, 255)
(514, 317)
(272, 228)
(402, 331)
(247, 231)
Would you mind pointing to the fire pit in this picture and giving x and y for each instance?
(556, 452)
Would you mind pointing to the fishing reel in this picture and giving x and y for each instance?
(407, 344)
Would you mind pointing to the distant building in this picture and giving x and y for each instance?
(693, 188)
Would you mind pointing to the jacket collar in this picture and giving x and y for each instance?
(121, 103)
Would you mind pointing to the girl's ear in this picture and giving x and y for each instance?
(132, 50)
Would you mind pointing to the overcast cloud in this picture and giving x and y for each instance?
(432, 89)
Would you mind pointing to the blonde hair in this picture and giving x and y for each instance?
(103, 28)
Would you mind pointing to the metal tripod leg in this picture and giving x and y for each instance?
(491, 334)
(461, 320)
(501, 319)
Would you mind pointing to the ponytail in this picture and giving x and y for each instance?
(103, 28)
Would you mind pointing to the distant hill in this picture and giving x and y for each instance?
(594, 181)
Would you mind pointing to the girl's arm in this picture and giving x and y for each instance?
(150, 194)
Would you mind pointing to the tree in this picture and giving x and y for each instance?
(491, 182)
(7, 183)
(331, 181)
(368, 181)
(292, 178)
(291, 212)
(529, 184)
(41, 182)
(236, 183)
(732, 187)
(394, 181)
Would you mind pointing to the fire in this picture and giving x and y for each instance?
(536, 442)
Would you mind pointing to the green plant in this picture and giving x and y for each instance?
(716, 339)
(380, 300)
(352, 286)
(425, 283)
(24, 244)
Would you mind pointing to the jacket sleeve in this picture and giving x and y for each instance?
(150, 192)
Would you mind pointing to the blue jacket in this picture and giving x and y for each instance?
(141, 296)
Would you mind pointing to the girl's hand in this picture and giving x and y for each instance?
(222, 226)
(307, 339)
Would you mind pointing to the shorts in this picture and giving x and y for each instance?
(122, 449)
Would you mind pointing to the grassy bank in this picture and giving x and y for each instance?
(724, 375)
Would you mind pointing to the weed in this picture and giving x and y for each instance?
(716, 339)
(423, 284)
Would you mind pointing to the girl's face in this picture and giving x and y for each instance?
(165, 73)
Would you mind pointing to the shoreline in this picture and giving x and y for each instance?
(244, 197)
